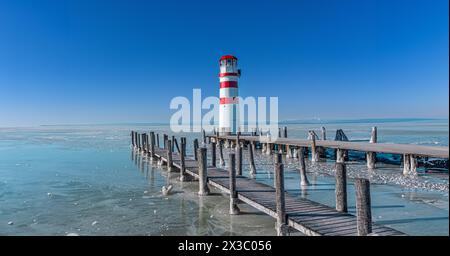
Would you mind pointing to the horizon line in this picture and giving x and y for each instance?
(285, 121)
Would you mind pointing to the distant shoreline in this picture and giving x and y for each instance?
(297, 121)
(282, 122)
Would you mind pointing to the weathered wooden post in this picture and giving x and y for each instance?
(340, 156)
(285, 131)
(202, 172)
(195, 149)
(374, 135)
(281, 227)
(406, 164)
(157, 140)
(371, 156)
(234, 209)
(173, 144)
(148, 139)
(314, 153)
(341, 187)
(413, 164)
(166, 138)
(279, 132)
(213, 154)
(132, 139)
(289, 151)
(169, 155)
(303, 178)
(136, 145)
(144, 144)
(176, 145)
(321, 150)
(268, 149)
(239, 159)
(147, 143)
(152, 144)
(204, 136)
(238, 155)
(363, 207)
(220, 145)
(138, 141)
(182, 159)
(251, 158)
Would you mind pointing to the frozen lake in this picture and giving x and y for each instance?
(57, 180)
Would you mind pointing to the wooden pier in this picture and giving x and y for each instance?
(401, 149)
(409, 152)
(290, 211)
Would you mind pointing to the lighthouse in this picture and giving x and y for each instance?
(229, 108)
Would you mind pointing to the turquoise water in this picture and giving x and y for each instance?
(59, 180)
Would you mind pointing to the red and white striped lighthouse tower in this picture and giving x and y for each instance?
(228, 114)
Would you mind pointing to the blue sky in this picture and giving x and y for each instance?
(123, 61)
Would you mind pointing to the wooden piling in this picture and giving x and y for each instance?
(321, 151)
(213, 154)
(314, 153)
(173, 144)
(148, 139)
(233, 194)
(281, 225)
(144, 142)
(239, 159)
(269, 148)
(202, 172)
(341, 187)
(166, 138)
(288, 151)
(152, 144)
(406, 164)
(363, 207)
(285, 131)
(340, 156)
(195, 149)
(374, 135)
(372, 156)
(169, 155)
(176, 145)
(302, 168)
(251, 158)
(157, 140)
(182, 159)
(138, 141)
(132, 139)
(204, 136)
(220, 145)
(324, 133)
(413, 164)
